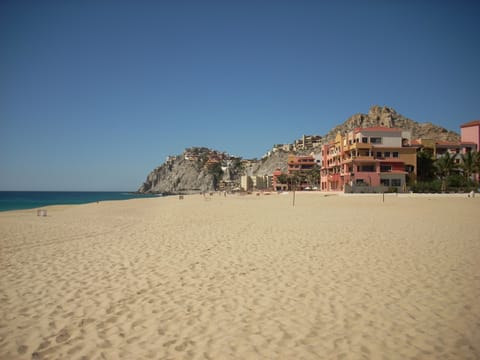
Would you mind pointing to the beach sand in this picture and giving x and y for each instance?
(243, 277)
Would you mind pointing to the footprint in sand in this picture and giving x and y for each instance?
(62, 336)
(22, 349)
(182, 346)
(44, 345)
(168, 343)
(75, 349)
(85, 321)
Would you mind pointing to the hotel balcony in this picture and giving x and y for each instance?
(358, 158)
(359, 146)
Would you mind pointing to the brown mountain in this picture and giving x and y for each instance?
(388, 117)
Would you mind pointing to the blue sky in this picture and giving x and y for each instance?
(95, 94)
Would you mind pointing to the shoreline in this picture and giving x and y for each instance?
(254, 194)
(33, 202)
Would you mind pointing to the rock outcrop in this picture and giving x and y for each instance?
(388, 117)
(268, 164)
(196, 170)
(178, 175)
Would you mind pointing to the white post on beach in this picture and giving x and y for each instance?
(41, 212)
(383, 198)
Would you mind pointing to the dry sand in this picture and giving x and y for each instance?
(249, 277)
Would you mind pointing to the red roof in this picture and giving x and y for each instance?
(395, 172)
(390, 160)
(471, 123)
(378, 128)
(447, 143)
(468, 143)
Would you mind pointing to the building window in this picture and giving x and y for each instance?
(364, 140)
(367, 168)
(396, 182)
(387, 154)
(395, 154)
(385, 182)
(385, 168)
(375, 140)
(379, 154)
(360, 182)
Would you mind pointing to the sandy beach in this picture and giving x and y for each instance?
(243, 277)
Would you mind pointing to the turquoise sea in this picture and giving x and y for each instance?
(18, 200)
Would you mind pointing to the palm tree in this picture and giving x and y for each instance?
(444, 167)
(295, 180)
(476, 162)
(313, 176)
(425, 167)
(468, 164)
(282, 179)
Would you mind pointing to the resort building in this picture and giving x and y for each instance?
(251, 183)
(276, 184)
(368, 160)
(300, 163)
(470, 133)
(439, 148)
(246, 183)
(307, 142)
(299, 170)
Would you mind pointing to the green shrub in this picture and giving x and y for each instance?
(427, 186)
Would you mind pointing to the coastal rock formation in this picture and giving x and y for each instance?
(177, 175)
(388, 117)
(198, 169)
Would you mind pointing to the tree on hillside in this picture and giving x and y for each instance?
(444, 166)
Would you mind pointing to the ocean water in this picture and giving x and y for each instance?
(18, 200)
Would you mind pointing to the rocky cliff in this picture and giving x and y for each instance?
(388, 117)
(196, 170)
(268, 164)
(178, 175)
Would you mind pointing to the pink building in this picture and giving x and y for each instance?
(470, 132)
(368, 159)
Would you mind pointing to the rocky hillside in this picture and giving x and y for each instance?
(193, 170)
(177, 175)
(196, 170)
(268, 164)
(388, 117)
